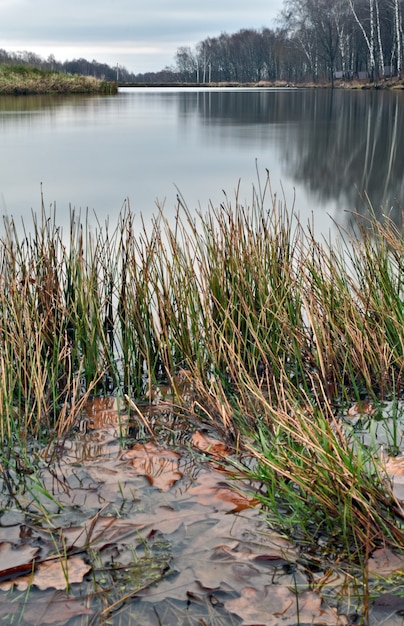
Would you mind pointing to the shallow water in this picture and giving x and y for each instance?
(158, 532)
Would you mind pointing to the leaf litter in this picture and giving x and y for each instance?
(153, 533)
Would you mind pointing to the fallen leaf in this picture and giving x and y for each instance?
(16, 560)
(209, 445)
(101, 531)
(159, 465)
(276, 605)
(235, 566)
(225, 498)
(212, 552)
(384, 561)
(211, 490)
(256, 607)
(395, 466)
(360, 408)
(236, 574)
(388, 602)
(168, 519)
(7, 609)
(252, 535)
(58, 609)
(55, 573)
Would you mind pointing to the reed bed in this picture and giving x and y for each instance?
(22, 80)
(273, 329)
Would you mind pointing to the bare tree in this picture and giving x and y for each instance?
(369, 39)
(318, 38)
(187, 64)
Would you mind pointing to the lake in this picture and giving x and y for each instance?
(153, 530)
(324, 150)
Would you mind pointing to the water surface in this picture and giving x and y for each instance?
(324, 150)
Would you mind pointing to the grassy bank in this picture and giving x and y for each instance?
(22, 80)
(274, 333)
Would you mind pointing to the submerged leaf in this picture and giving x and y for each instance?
(56, 573)
(360, 408)
(395, 466)
(101, 531)
(388, 602)
(159, 465)
(209, 445)
(59, 608)
(273, 606)
(16, 560)
(384, 562)
(211, 490)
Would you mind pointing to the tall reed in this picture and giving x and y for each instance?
(273, 328)
(127, 307)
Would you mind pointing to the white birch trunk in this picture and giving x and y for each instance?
(397, 20)
(372, 39)
(379, 40)
(369, 42)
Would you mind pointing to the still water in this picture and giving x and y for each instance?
(324, 150)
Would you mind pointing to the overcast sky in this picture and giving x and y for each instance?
(142, 35)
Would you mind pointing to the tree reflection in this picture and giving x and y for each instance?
(343, 146)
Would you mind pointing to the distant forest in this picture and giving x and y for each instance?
(76, 66)
(317, 40)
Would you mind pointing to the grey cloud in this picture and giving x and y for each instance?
(159, 25)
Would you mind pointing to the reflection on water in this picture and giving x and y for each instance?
(337, 144)
(44, 104)
(327, 147)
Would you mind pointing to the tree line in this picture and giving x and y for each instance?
(81, 66)
(316, 40)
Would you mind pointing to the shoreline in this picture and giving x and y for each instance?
(19, 80)
(387, 83)
(26, 81)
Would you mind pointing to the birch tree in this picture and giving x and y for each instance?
(398, 35)
(379, 39)
(369, 39)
